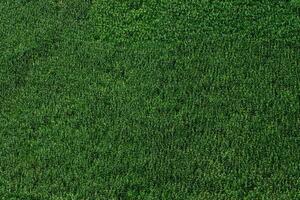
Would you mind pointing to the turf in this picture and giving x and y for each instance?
(153, 99)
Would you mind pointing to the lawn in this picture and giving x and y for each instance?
(156, 99)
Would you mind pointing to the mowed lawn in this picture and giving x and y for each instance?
(156, 99)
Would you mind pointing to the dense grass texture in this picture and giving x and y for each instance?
(156, 99)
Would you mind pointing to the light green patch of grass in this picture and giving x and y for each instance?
(295, 2)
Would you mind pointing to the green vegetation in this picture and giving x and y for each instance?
(156, 99)
(295, 2)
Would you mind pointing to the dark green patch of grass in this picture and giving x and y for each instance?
(149, 99)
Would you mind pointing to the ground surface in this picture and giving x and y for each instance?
(156, 99)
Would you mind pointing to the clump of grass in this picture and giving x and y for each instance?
(295, 3)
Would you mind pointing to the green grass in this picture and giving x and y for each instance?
(149, 99)
(295, 2)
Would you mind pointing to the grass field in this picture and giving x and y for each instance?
(156, 99)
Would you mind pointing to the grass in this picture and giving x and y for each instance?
(296, 2)
(149, 99)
